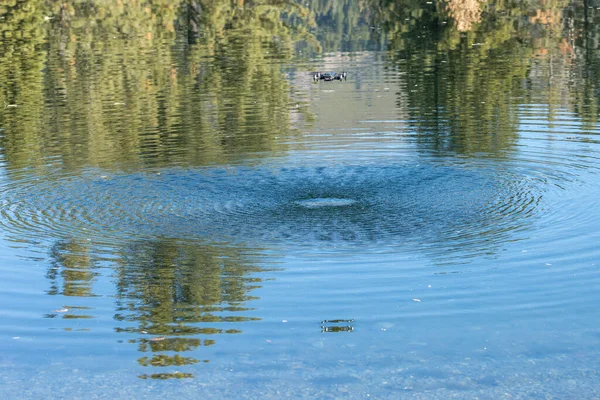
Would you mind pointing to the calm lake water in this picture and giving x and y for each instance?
(184, 211)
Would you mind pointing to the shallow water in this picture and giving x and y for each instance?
(184, 212)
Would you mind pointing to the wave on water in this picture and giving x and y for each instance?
(421, 204)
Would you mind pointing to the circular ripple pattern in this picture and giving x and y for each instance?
(398, 204)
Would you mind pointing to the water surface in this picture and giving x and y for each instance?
(185, 212)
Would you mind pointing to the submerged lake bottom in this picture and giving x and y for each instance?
(390, 362)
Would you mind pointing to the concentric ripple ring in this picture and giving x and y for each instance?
(305, 205)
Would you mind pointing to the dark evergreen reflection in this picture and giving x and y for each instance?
(463, 78)
(177, 298)
(345, 25)
(71, 274)
(466, 65)
(72, 270)
(148, 83)
(199, 82)
(172, 299)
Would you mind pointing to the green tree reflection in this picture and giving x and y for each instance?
(71, 270)
(116, 85)
(22, 34)
(463, 79)
(344, 25)
(176, 297)
(460, 83)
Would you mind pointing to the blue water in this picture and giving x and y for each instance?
(416, 231)
(382, 203)
(451, 278)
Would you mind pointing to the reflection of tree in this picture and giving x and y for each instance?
(571, 58)
(176, 294)
(71, 265)
(122, 87)
(71, 274)
(343, 25)
(21, 79)
(234, 74)
(173, 297)
(461, 86)
(463, 81)
(585, 23)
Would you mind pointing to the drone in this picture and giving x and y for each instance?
(329, 76)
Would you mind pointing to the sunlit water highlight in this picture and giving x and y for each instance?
(325, 202)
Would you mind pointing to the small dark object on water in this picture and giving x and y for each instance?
(343, 325)
(329, 76)
(336, 321)
(334, 329)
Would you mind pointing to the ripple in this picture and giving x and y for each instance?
(429, 205)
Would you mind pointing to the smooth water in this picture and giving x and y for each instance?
(184, 212)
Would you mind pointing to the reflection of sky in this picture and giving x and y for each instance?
(559, 146)
(358, 119)
(40, 338)
(369, 93)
